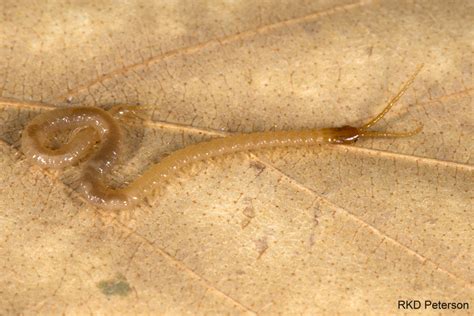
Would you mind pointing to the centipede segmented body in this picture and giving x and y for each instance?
(90, 125)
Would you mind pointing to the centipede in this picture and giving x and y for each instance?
(95, 141)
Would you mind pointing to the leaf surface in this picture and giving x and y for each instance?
(312, 230)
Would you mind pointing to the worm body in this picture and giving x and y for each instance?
(88, 126)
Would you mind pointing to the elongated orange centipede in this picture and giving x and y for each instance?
(91, 125)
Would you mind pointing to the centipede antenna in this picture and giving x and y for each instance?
(392, 102)
(391, 134)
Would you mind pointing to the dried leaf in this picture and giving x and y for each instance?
(347, 229)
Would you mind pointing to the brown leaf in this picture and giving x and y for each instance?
(347, 229)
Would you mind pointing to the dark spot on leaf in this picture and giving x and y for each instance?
(258, 166)
(117, 286)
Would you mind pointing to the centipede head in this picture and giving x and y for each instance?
(344, 135)
(350, 134)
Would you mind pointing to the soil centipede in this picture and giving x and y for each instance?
(90, 125)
